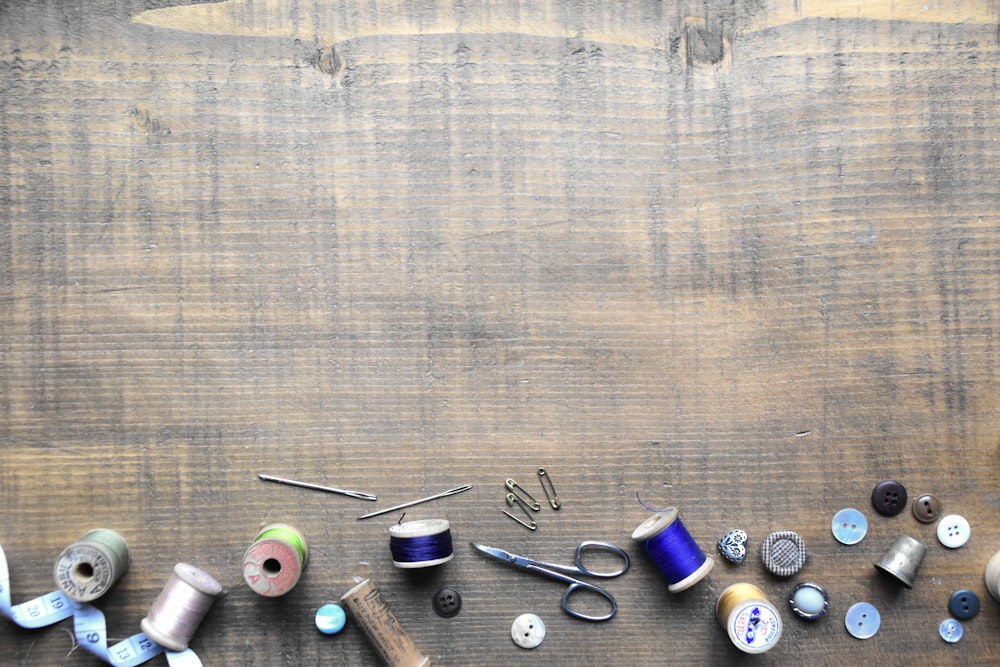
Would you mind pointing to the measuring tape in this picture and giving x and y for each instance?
(89, 627)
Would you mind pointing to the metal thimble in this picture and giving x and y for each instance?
(902, 559)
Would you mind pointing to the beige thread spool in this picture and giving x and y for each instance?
(178, 610)
(275, 560)
(992, 576)
(88, 568)
(751, 621)
(381, 628)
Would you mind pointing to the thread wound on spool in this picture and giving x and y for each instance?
(421, 543)
(751, 621)
(88, 568)
(992, 576)
(672, 549)
(274, 561)
(381, 627)
(182, 604)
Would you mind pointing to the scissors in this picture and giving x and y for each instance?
(562, 572)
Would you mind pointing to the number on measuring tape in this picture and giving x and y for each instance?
(36, 613)
(91, 632)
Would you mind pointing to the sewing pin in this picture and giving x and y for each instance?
(317, 487)
(443, 494)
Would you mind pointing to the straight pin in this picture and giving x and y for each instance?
(316, 487)
(443, 494)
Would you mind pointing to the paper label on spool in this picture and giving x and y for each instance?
(95, 583)
(754, 627)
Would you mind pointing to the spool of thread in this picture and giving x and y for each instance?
(88, 568)
(275, 559)
(992, 576)
(182, 604)
(752, 623)
(381, 628)
(672, 549)
(423, 543)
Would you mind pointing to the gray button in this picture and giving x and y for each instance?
(849, 526)
(528, 631)
(783, 553)
(950, 630)
(862, 620)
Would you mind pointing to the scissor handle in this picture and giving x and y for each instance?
(592, 545)
(583, 585)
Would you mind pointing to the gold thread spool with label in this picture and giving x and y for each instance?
(751, 621)
(177, 611)
(381, 628)
(275, 560)
(88, 568)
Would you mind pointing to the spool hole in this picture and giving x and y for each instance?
(271, 567)
(83, 572)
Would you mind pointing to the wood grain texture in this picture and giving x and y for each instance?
(743, 259)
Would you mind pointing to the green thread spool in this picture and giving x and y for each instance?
(88, 568)
(275, 560)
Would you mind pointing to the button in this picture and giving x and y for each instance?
(447, 602)
(849, 526)
(528, 631)
(783, 553)
(809, 601)
(950, 630)
(953, 531)
(862, 620)
(330, 619)
(927, 508)
(964, 604)
(889, 497)
(733, 546)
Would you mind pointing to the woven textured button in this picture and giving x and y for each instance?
(783, 553)
(849, 526)
(950, 630)
(330, 619)
(862, 620)
(447, 602)
(963, 604)
(927, 508)
(528, 631)
(889, 497)
(733, 546)
(953, 531)
(809, 601)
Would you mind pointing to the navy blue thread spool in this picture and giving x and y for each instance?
(672, 549)
(422, 543)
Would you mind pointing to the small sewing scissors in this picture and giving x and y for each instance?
(562, 572)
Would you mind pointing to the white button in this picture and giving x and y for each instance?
(953, 531)
(849, 526)
(950, 630)
(528, 631)
(862, 620)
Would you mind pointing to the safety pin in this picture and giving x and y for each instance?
(553, 499)
(514, 499)
(526, 498)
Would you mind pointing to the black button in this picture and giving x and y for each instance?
(447, 602)
(889, 498)
(964, 604)
(927, 508)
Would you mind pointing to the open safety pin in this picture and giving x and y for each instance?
(523, 496)
(513, 499)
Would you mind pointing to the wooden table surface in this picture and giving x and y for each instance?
(740, 258)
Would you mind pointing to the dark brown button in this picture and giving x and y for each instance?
(927, 508)
(889, 497)
(447, 602)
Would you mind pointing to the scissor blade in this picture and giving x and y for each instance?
(500, 554)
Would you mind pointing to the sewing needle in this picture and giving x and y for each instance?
(317, 487)
(443, 494)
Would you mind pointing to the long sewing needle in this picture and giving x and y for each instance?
(443, 494)
(329, 489)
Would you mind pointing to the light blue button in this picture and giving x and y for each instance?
(330, 619)
(849, 526)
(862, 620)
(950, 630)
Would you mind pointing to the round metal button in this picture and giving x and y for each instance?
(528, 631)
(330, 619)
(953, 531)
(889, 497)
(783, 553)
(963, 604)
(849, 526)
(927, 508)
(950, 630)
(447, 602)
(809, 601)
(862, 620)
